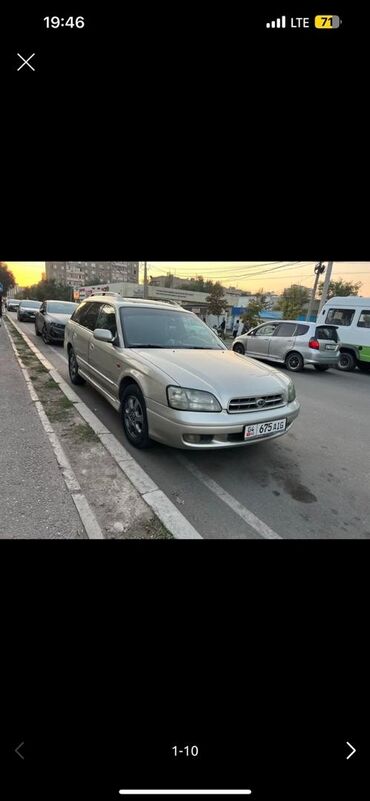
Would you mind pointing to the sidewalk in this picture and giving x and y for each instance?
(34, 500)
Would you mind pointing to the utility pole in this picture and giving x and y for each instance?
(319, 270)
(145, 279)
(325, 287)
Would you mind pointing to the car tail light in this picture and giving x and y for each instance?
(314, 343)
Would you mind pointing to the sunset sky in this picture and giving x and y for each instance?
(272, 276)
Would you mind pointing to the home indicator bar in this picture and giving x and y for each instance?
(185, 792)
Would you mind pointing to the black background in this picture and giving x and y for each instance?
(193, 135)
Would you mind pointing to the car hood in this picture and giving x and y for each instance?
(58, 318)
(222, 372)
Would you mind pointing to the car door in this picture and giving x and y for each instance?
(84, 321)
(104, 365)
(282, 341)
(258, 343)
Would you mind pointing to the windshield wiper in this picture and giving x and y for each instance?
(141, 345)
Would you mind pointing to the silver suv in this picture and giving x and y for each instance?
(292, 343)
(172, 379)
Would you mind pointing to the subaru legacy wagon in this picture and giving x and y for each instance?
(172, 379)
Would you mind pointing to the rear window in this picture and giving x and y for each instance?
(327, 332)
(32, 304)
(340, 316)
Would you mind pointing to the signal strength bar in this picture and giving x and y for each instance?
(280, 22)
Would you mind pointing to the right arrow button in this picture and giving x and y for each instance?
(352, 751)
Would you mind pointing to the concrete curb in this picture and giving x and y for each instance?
(165, 510)
(85, 512)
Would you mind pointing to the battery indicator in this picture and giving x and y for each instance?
(328, 21)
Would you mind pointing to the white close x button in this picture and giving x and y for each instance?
(26, 61)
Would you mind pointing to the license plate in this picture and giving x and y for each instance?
(261, 429)
(330, 347)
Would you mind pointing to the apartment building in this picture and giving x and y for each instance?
(78, 273)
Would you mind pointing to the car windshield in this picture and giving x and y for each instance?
(33, 304)
(61, 307)
(166, 328)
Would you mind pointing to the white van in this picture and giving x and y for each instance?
(352, 317)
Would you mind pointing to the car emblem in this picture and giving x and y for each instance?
(261, 402)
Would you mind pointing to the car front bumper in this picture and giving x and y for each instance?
(56, 333)
(218, 430)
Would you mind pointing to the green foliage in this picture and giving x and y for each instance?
(47, 290)
(340, 288)
(216, 302)
(294, 301)
(6, 277)
(251, 317)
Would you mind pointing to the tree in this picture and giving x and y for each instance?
(293, 301)
(169, 281)
(216, 303)
(340, 288)
(47, 290)
(6, 277)
(251, 316)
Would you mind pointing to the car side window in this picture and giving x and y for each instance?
(302, 329)
(340, 316)
(265, 331)
(285, 330)
(107, 319)
(90, 315)
(364, 319)
(77, 314)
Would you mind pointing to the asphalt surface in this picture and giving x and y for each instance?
(312, 483)
(34, 500)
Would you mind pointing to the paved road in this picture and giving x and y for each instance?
(312, 483)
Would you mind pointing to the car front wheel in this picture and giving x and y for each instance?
(73, 369)
(239, 348)
(134, 417)
(294, 362)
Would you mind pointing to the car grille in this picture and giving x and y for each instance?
(238, 405)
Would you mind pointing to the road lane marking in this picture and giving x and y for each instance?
(258, 525)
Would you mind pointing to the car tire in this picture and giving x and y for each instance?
(74, 375)
(239, 348)
(321, 368)
(294, 362)
(134, 417)
(45, 335)
(346, 362)
(37, 332)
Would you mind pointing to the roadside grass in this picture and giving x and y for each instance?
(84, 433)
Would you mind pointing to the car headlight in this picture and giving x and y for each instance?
(291, 392)
(192, 400)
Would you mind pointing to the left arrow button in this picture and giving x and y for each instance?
(18, 750)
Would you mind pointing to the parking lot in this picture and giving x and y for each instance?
(312, 483)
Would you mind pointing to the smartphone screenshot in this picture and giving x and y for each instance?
(184, 435)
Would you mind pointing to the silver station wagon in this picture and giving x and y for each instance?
(172, 379)
(292, 343)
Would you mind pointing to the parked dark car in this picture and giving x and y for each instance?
(51, 319)
(27, 310)
(12, 304)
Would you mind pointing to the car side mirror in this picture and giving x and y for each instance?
(103, 335)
